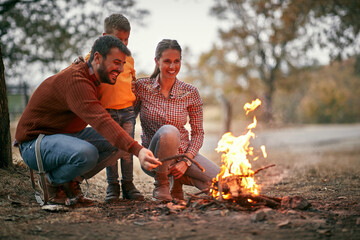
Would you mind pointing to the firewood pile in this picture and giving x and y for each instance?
(240, 200)
(243, 202)
(246, 202)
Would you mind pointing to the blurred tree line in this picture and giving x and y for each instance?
(326, 94)
(47, 35)
(266, 51)
(51, 34)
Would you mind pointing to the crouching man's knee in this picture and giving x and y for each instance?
(86, 158)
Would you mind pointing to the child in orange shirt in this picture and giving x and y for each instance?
(118, 100)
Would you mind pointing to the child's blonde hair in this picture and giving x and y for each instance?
(116, 21)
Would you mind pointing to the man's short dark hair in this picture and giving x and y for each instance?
(104, 44)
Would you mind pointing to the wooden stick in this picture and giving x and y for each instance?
(258, 198)
(220, 189)
(203, 191)
(194, 196)
(256, 171)
(263, 168)
(183, 156)
(206, 205)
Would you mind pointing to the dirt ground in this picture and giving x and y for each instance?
(319, 163)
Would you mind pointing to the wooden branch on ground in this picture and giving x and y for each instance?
(260, 198)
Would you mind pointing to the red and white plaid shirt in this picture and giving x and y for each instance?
(155, 111)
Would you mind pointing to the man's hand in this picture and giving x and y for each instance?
(147, 159)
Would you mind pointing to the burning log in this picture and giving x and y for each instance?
(258, 200)
(233, 184)
(243, 202)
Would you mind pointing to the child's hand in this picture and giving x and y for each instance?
(78, 60)
(133, 84)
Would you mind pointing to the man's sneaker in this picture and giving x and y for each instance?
(129, 191)
(112, 192)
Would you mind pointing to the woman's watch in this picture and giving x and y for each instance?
(187, 161)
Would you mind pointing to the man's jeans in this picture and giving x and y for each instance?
(67, 156)
(169, 136)
(126, 119)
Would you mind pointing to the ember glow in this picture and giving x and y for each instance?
(236, 176)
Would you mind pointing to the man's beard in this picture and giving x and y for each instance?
(103, 74)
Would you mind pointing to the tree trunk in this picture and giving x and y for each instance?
(227, 114)
(5, 137)
(269, 92)
(268, 106)
(357, 65)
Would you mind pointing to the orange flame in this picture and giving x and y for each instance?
(248, 107)
(235, 161)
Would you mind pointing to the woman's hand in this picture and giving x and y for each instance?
(178, 169)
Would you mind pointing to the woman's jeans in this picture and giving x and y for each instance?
(69, 156)
(126, 119)
(167, 135)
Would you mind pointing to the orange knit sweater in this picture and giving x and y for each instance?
(66, 103)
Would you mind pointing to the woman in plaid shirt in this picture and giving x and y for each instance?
(165, 105)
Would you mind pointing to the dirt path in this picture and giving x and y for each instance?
(319, 163)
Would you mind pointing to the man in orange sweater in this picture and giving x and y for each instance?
(61, 108)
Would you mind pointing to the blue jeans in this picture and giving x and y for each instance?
(68, 156)
(126, 119)
(169, 136)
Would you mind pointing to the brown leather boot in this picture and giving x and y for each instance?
(56, 194)
(161, 191)
(176, 186)
(73, 190)
(176, 189)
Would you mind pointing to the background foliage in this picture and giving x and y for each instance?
(48, 35)
(266, 50)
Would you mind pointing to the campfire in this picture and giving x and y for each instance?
(236, 176)
(236, 181)
(235, 186)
